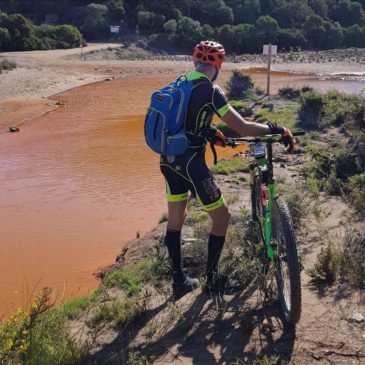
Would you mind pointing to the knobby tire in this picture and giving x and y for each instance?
(287, 259)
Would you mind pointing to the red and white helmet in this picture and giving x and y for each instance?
(209, 52)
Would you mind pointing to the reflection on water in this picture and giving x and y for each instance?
(78, 183)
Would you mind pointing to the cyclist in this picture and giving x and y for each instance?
(189, 172)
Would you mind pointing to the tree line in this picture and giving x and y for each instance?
(175, 26)
(18, 33)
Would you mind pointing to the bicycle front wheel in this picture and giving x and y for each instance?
(287, 262)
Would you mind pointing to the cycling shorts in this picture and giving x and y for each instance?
(189, 172)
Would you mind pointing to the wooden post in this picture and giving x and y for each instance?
(268, 70)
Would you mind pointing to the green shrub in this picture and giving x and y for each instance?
(344, 263)
(332, 167)
(327, 265)
(239, 86)
(356, 189)
(298, 206)
(353, 259)
(18, 33)
(292, 93)
(311, 106)
(39, 337)
(59, 36)
(7, 65)
(322, 110)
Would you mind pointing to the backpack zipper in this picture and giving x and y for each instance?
(164, 134)
(155, 127)
(181, 105)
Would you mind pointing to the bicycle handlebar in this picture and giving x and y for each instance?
(270, 138)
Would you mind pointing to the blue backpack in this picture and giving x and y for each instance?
(165, 118)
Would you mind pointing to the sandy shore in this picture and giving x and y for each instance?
(25, 90)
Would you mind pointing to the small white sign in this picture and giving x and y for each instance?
(114, 28)
(274, 49)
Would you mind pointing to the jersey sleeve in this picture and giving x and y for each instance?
(219, 101)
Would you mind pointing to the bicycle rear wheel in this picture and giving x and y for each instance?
(286, 263)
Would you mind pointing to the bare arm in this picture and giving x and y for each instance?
(243, 127)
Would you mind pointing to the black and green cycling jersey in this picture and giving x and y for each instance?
(189, 172)
(206, 100)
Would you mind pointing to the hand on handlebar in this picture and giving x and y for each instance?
(220, 139)
(288, 140)
(217, 137)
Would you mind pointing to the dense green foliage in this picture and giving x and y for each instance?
(241, 25)
(18, 33)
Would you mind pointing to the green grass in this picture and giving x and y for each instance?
(74, 307)
(120, 313)
(226, 167)
(286, 116)
(131, 277)
(126, 279)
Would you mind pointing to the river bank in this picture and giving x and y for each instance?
(57, 159)
(40, 74)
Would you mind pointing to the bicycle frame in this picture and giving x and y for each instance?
(269, 181)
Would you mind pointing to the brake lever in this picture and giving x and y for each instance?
(231, 143)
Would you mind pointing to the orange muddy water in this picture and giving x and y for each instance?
(79, 182)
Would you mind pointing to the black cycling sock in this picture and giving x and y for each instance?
(215, 246)
(173, 243)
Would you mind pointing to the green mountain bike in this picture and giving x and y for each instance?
(271, 214)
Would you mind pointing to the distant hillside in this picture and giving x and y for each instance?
(175, 26)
